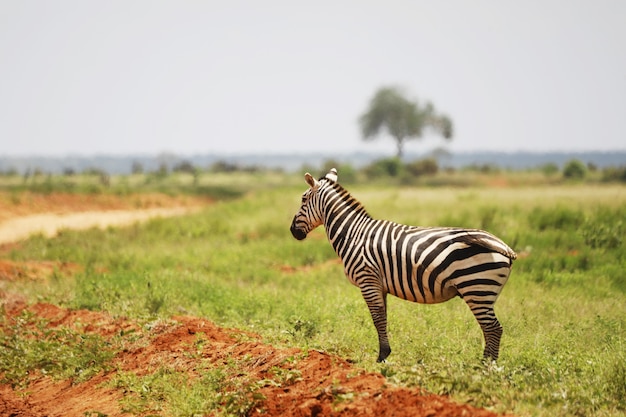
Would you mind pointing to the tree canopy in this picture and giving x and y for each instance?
(402, 118)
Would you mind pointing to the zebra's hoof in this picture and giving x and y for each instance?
(384, 353)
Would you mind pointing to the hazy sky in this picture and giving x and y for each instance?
(117, 77)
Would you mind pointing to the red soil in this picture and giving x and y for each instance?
(322, 378)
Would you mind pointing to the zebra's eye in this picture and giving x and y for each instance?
(303, 199)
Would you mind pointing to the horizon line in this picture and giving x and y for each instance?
(158, 154)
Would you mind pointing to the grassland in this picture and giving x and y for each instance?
(235, 262)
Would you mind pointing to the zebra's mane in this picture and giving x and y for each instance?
(346, 196)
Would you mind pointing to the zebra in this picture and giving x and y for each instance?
(420, 264)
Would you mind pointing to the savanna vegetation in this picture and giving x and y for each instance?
(235, 263)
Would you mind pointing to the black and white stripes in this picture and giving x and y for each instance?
(421, 264)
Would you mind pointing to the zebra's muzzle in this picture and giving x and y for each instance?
(297, 233)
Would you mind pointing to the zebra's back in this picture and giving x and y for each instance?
(433, 265)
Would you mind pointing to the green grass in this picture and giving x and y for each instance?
(28, 345)
(563, 310)
(222, 389)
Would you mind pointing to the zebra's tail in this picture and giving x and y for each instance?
(488, 241)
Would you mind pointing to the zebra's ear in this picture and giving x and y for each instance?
(310, 180)
(332, 175)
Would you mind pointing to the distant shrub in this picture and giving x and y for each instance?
(230, 167)
(420, 167)
(162, 171)
(10, 172)
(328, 164)
(92, 171)
(347, 172)
(482, 168)
(549, 169)
(136, 167)
(614, 174)
(184, 166)
(388, 167)
(575, 169)
(223, 166)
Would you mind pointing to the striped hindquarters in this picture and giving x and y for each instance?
(432, 265)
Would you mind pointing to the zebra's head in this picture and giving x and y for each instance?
(310, 214)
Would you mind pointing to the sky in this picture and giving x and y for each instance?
(238, 77)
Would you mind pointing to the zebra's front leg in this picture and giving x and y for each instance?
(377, 304)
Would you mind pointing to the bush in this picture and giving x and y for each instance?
(486, 168)
(575, 169)
(388, 167)
(185, 166)
(614, 174)
(420, 167)
(549, 169)
(347, 173)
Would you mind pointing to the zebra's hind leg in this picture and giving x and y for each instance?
(492, 334)
(491, 327)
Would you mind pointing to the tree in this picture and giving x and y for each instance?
(402, 118)
(137, 167)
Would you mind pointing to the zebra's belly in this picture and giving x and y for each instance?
(419, 294)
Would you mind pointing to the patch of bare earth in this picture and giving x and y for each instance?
(27, 203)
(26, 214)
(326, 385)
(323, 378)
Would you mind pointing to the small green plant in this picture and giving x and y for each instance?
(302, 328)
(26, 344)
(154, 300)
(286, 377)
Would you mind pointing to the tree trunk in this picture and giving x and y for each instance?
(399, 147)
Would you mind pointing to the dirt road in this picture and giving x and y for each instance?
(31, 214)
(18, 228)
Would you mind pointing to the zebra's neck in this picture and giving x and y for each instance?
(344, 217)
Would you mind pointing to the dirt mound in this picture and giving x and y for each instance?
(325, 385)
